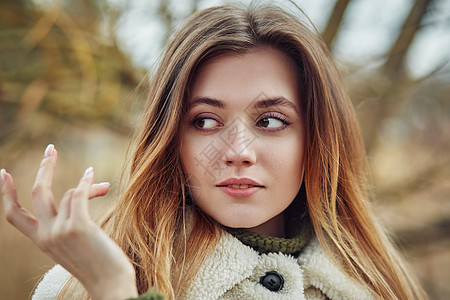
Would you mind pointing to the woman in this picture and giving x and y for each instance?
(248, 141)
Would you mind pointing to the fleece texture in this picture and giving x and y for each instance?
(233, 271)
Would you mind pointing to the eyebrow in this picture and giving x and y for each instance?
(208, 101)
(277, 101)
(264, 103)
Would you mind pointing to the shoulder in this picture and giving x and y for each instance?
(321, 273)
(51, 284)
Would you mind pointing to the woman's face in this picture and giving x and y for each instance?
(242, 143)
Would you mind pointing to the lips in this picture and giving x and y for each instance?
(239, 182)
(240, 187)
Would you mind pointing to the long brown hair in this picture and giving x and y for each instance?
(149, 220)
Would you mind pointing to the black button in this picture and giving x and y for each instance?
(272, 281)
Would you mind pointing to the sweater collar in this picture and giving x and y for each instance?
(300, 230)
(264, 244)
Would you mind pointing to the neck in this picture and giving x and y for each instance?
(273, 227)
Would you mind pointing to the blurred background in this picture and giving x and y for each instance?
(69, 71)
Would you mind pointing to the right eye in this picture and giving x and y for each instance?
(205, 123)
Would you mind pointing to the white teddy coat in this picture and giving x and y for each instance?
(233, 270)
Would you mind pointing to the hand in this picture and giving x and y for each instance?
(68, 235)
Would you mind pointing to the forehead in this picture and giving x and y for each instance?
(242, 77)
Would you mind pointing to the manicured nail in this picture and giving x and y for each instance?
(105, 183)
(2, 175)
(88, 171)
(49, 150)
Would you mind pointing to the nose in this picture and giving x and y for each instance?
(245, 157)
(239, 147)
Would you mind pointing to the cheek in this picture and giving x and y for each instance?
(292, 168)
(187, 153)
(285, 161)
(285, 156)
(190, 149)
(192, 153)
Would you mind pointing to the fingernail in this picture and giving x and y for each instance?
(2, 175)
(88, 171)
(49, 150)
(104, 183)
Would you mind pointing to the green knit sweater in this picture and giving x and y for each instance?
(264, 244)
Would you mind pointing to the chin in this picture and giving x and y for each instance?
(244, 225)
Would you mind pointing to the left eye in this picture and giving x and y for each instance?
(270, 123)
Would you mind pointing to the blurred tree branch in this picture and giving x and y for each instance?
(394, 81)
(394, 65)
(334, 22)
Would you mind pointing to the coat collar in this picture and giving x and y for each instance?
(231, 262)
(323, 274)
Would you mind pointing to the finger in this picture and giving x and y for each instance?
(14, 212)
(64, 206)
(99, 189)
(79, 201)
(43, 203)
